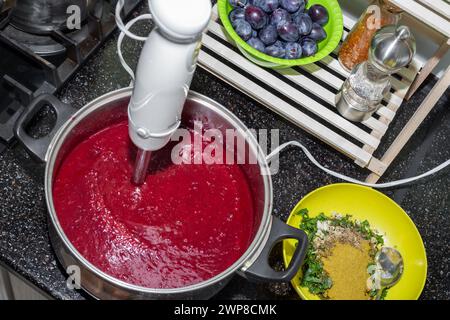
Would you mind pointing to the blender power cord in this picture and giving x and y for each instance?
(349, 179)
(125, 31)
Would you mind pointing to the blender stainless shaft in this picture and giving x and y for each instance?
(164, 75)
(141, 166)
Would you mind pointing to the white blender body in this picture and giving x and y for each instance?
(162, 83)
(164, 74)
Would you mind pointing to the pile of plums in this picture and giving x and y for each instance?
(280, 28)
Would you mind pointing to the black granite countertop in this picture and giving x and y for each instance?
(24, 241)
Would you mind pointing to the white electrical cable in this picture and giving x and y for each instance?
(125, 31)
(120, 40)
(348, 179)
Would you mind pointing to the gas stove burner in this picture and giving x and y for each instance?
(42, 45)
(39, 54)
(39, 37)
(45, 16)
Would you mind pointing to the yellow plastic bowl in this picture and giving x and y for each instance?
(384, 215)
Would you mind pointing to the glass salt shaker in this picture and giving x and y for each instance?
(392, 48)
(355, 48)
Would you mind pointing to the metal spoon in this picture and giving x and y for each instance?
(390, 262)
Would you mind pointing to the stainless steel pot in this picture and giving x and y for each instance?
(44, 16)
(111, 108)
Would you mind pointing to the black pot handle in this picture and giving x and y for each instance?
(37, 148)
(260, 270)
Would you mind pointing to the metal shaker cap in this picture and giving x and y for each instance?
(392, 48)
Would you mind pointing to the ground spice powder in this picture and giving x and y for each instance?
(347, 267)
(355, 48)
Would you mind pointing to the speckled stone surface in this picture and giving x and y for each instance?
(24, 242)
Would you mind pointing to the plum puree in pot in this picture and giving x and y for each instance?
(186, 224)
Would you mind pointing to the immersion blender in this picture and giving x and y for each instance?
(164, 74)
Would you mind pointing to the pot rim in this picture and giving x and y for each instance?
(246, 259)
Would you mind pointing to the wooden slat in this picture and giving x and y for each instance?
(308, 103)
(349, 22)
(439, 6)
(428, 68)
(283, 108)
(387, 113)
(424, 15)
(313, 68)
(321, 74)
(414, 123)
(321, 85)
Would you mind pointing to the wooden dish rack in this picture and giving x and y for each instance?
(305, 96)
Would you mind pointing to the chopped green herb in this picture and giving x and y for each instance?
(315, 278)
(384, 294)
(371, 268)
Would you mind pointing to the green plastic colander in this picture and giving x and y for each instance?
(334, 30)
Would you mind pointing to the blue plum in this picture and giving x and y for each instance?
(318, 14)
(303, 4)
(276, 50)
(318, 34)
(243, 29)
(293, 50)
(257, 18)
(237, 14)
(280, 43)
(279, 16)
(309, 47)
(267, 5)
(268, 35)
(304, 23)
(292, 5)
(238, 3)
(288, 31)
(257, 44)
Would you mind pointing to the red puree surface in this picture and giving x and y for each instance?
(186, 224)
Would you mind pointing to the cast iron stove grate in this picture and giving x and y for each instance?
(33, 64)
